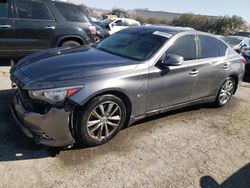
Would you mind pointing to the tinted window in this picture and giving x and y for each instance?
(119, 23)
(222, 48)
(72, 13)
(184, 46)
(32, 10)
(209, 47)
(5, 9)
(132, 45)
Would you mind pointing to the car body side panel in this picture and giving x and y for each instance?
(170, 86)
(133, 84)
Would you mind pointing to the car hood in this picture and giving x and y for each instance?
(70, 63)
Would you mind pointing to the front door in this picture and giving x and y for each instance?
(7, 42)
(176, 84)
(34, 26)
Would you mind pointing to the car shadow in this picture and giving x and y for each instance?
(240, 179)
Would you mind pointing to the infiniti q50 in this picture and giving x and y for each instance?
(84, 95)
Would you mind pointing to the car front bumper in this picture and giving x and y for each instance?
(51, 129)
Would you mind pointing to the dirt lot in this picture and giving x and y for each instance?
(195, 147)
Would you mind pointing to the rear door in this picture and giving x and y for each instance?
(212, 66)
(7, 41)
(34, 26)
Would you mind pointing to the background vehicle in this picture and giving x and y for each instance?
(118, 24)
(246, 55)
(242, 46)
(101, 33)
(242, 33)
(88, 94)
(238, 43)
(33, 25)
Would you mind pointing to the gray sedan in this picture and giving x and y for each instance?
(85, 95)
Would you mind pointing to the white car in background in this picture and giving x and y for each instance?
(118, 24)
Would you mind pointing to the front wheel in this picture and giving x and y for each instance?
(100, 120)
(226, 92)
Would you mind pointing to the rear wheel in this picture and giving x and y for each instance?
(226, 92)
(100, 120)
(70, 43)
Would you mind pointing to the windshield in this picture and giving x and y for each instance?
(133, 45)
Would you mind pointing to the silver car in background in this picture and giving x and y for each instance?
(86, 95)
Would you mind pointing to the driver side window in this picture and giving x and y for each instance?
(184, 46)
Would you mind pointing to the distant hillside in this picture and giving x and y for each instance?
(168, 16)
(146, 14)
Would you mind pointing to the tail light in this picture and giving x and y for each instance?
(244, 61)
(92, 30)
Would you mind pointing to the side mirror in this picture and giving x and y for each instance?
(173, 60)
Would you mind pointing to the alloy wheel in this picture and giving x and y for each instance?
(226, 91)
(104, 120)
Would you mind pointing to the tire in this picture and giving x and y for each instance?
(100, 120)
(226, 92)
(70, 43)
(98, 39)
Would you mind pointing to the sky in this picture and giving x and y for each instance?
(207, 7)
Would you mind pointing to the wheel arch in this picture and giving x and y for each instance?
(75, 38)
(236, 79)
(118, 93)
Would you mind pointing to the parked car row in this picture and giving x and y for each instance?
(28, 26)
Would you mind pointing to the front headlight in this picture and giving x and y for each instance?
(54, 95)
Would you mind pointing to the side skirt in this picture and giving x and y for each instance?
(138, 117)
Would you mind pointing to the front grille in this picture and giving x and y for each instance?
(31, 104)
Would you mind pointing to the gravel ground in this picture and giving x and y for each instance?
(198, 146)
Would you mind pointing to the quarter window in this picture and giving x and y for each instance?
(184, 46)
(209, 47)
(222, 49)
(32, 10)
(5, 9)
(72, 13)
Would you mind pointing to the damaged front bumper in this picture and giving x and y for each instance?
(51, 129)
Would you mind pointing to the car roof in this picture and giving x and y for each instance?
(153, 28)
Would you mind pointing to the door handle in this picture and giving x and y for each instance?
(225, 66)
(5, 26)
(50, 27)
(194, 72)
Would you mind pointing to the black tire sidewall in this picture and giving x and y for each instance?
(81, 133)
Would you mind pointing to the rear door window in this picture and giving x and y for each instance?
(209, 47)
(5, 9)
(71, 13)
(184, 46)
(32, 10)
